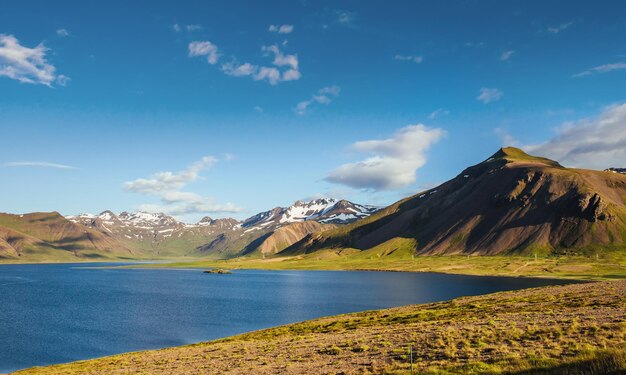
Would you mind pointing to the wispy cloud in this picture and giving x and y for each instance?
(437, 113)
(324, 96)
(602, 69)
(24, 64)
(413, 58)
(488, 95)
(62, 33)
(179, 28)
(204, 48)
(41, 164)
(193, 27)
(506, 138)
(598, 142)
(506, 55)
(345, 17)
(392, 163)
(559, 28)
(281, 29)
(167, 187)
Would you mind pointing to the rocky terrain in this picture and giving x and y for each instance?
(512, 203)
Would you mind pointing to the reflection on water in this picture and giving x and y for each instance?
(63, 312)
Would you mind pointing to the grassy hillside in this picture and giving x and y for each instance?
(512, 203)
(50, 237)
(397, 255)
(575, 329)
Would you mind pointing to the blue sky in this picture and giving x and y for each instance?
(227, 108)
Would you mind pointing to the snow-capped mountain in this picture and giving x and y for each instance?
(223, 224)
(163, 233)
(132, 226)
(324, 210)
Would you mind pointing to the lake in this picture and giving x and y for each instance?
(54, 313)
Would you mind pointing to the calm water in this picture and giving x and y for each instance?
(64, 312)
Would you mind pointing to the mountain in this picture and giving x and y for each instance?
(157, 234)
(281, 238)
(50, 236)
(512, 203)
(323, 210)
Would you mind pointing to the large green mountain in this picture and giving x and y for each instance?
(512, 203)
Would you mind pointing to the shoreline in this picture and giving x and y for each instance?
(574, 268)
(316, 336)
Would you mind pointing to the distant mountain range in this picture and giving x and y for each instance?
(511, 203)
(144, 234)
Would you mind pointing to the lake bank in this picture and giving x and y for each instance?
(566, 267)
(59, 313)
(576, 327)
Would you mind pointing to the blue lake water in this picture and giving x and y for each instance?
(54, 313)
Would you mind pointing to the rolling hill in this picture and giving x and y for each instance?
(511, 203)
(49, 236)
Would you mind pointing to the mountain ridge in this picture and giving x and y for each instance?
(510, 203)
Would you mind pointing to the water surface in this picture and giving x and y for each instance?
(54, 313)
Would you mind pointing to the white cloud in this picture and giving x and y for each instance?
(282, 29)
(393, 162)
(438, 112)
(506, 55)
(62, 33)
(204, 48)
(258, 109)
(415, 59)
(193, 27)
(167, 181)
(167, 186)
(271, 74)
(62, 80)
(557, 29)
(324, 95)
(28, 65)
(597, 143)
(176, 27)
(488, 95)
(42, 164)
(238, 70)
(602, 69)
(264, 72)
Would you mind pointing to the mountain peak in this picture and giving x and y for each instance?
(514, 154)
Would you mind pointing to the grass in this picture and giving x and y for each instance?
(573, 329)
(397, 255)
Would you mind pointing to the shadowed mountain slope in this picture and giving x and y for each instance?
(510, 203)
(50, 236)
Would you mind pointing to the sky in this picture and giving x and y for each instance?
(229, 108)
